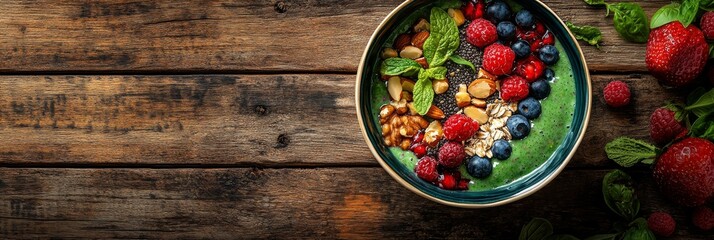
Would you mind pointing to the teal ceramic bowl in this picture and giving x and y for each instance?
(518, 189)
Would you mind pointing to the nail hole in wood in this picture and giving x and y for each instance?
(281, 7)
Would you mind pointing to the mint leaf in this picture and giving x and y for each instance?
(630, 21)
(619, 195)
(443, 39)
(459, 60)
(595, 2)
(695, 95)
(639, 230)
(536, 229)
(704, 105)
(707, 5)
(589, 34)
(688, 11)
(609, 236)
(450, 4)
(423, 93)
(627, 151)
(704, 127)
(436, 73)
(562, 237)
(399, 66)
(668, 13)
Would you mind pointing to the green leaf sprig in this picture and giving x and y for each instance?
(459, 60)
(685, 13)
(629, 19)
(541, 229)
(620, 195)
(589, 34)
(627, 151)
(706, 5)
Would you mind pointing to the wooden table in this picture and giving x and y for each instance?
(236, 119)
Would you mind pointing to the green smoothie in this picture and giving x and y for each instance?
(547, 132)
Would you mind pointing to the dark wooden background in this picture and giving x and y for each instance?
(236, 119)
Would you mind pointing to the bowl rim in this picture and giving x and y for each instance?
(524, 193)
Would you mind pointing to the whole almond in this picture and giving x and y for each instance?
(402, 41)
(422, 61)
(419, 38)
(482, 88)
(435, 113)
(477, 114)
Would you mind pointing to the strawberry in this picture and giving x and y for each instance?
(676, 55)
(531, 68)
(481, 33)
(685, 172)
(663, 126)
(707, 25)
(514, 88)
(473, 9)
(498, 59)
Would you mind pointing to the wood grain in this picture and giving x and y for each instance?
(240, 120)
(275, 203)
(220, 35)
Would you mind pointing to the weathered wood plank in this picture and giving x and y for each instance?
(253, 35)
(284, 203)
(246, 120)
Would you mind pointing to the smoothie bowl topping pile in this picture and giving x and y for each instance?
(464, 82)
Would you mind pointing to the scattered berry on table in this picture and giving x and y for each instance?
(529, 108)
(521, 48)
(676, 55)
(685, 172)
(514, 88)
(530, 68)
(707, 25)
(617, 94)
(426, 169)
(419, 149)
(481, 33)
(519, 126)
(662, 224)
(451, 154)
(448, 182)
(498, 11)
(506, 30)
(473, 9)
(525, 19)
(501, 149)
(540, 89)
(498, 59)
(549, 54)
(663, 126)
(479, 167)
(703, 218)
(459, 127)
(549, 75)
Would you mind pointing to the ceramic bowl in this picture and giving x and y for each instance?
(368, 74)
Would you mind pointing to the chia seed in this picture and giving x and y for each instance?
(459, 74)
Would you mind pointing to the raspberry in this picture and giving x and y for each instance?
(426, 169)
(498, 59)
(617, 94)
(531, 68)
(703, 218)
(459, 127)
(663, 126)
(661, 224)
(514, 88)
(451, 154)
(481, 33)
(707, 25)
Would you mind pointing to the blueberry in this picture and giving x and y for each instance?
(540, 89)
(522, 48)
(525, 19)
(501, 149)
(498, 11)
(549, 54)
(549, 75)
(506, 30)
(530, 108)
(518, 126)
(479, 167)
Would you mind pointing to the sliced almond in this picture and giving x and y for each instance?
(440, 86)
(477, 114)
(457, 15)
(484, 74)
(410, 52)
(482, 88)
(407, 84)
(478, 102)
(407, 96)
(435, 113)
(394, 87)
